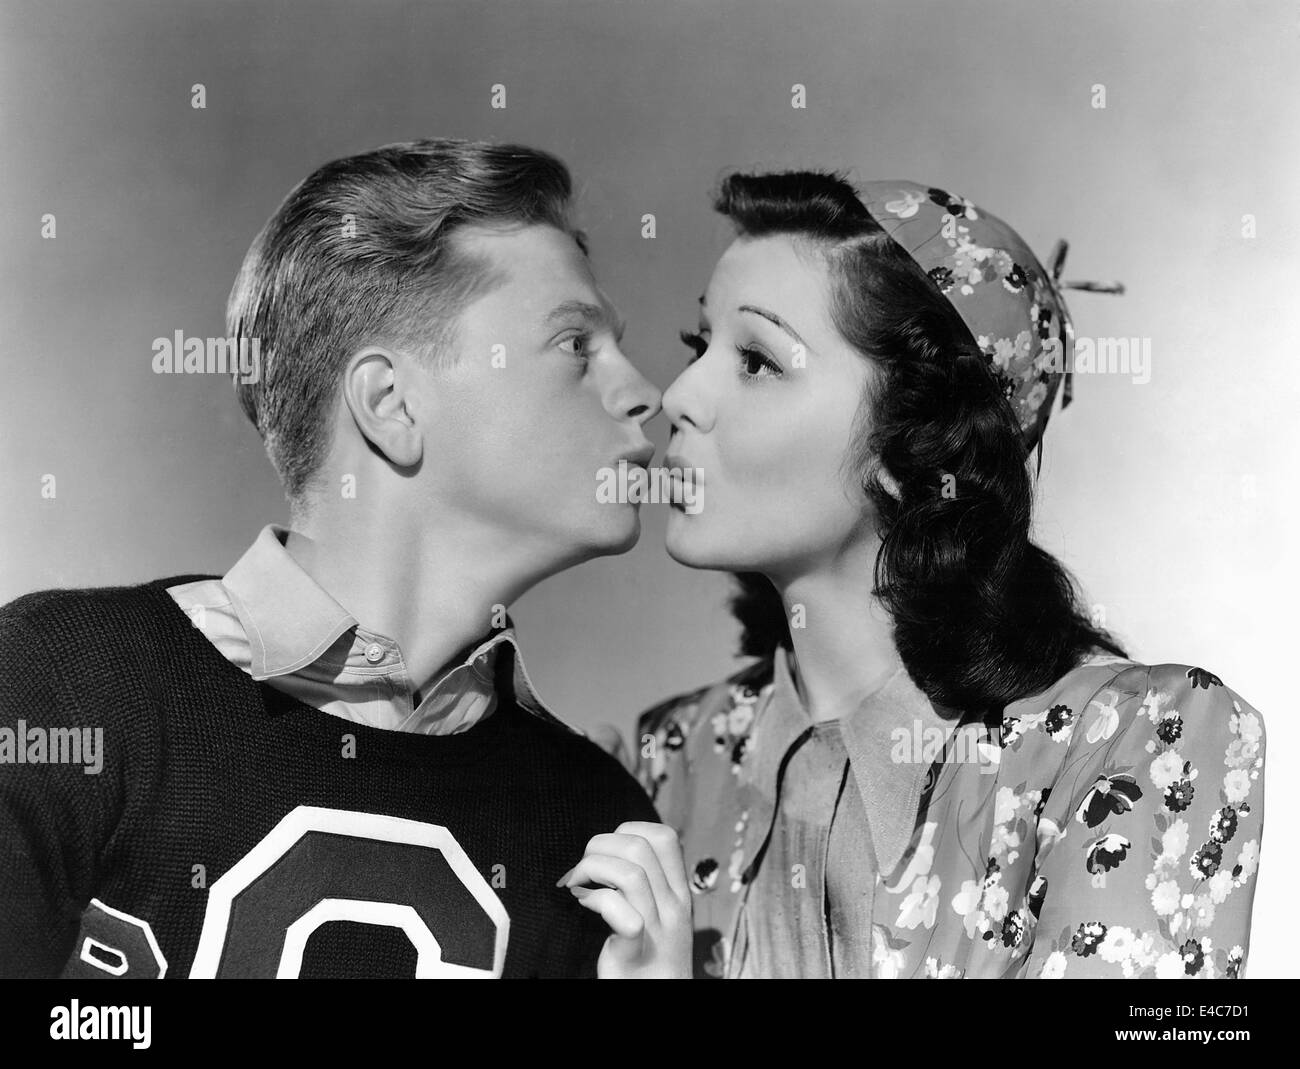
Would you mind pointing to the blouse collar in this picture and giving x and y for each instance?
(892, 739)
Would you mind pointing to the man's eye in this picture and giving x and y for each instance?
(579, 342)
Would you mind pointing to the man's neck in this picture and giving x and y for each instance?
(434, 592)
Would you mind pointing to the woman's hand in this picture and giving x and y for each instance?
(638, 885)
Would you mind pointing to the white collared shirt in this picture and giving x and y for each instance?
(269, 618)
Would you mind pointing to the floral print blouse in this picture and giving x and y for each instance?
(1108, 827)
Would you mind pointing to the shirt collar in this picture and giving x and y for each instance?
(887, 738)
(289, 619)
(292, 622)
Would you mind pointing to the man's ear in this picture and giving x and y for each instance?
(376, 388)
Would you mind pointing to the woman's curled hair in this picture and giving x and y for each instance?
(981, 616)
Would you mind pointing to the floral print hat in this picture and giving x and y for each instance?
(1011, 304)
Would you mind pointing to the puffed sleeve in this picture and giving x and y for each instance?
(1149, 842)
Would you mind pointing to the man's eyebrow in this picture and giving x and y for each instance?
(593, 314)
(772, 317)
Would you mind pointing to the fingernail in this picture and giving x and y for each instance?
(581, 892)
(563, 879)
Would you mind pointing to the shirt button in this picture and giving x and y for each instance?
(374, 653)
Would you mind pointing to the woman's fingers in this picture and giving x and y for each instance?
(617, 912)
(624, 876)
(637, 850)
(668, 849)
(642, 894)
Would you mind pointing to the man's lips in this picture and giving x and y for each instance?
(640, 457)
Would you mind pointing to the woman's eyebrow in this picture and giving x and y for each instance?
(772, 317)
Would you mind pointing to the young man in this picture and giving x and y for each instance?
(330, 762)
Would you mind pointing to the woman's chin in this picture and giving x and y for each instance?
(679, 540)
(687, 544)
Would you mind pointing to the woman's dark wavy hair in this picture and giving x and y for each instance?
(981, 615)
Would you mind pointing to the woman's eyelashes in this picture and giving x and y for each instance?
(695, 342)
(756, 364)
(752, 361)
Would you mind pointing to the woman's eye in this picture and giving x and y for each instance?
(694, 342)
(757, 365)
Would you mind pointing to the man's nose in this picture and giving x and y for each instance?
(638, 398)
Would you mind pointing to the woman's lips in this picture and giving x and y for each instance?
(678, 467)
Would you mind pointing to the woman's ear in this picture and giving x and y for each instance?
(374, 387)
(887, 481)
(880, 474)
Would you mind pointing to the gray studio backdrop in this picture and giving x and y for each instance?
(1172, 499)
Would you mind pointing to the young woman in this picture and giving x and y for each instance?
(938, 766)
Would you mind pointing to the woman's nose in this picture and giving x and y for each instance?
(683, 402)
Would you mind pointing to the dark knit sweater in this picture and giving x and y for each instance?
(201, 763)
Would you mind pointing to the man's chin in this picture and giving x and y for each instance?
(619, 537)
